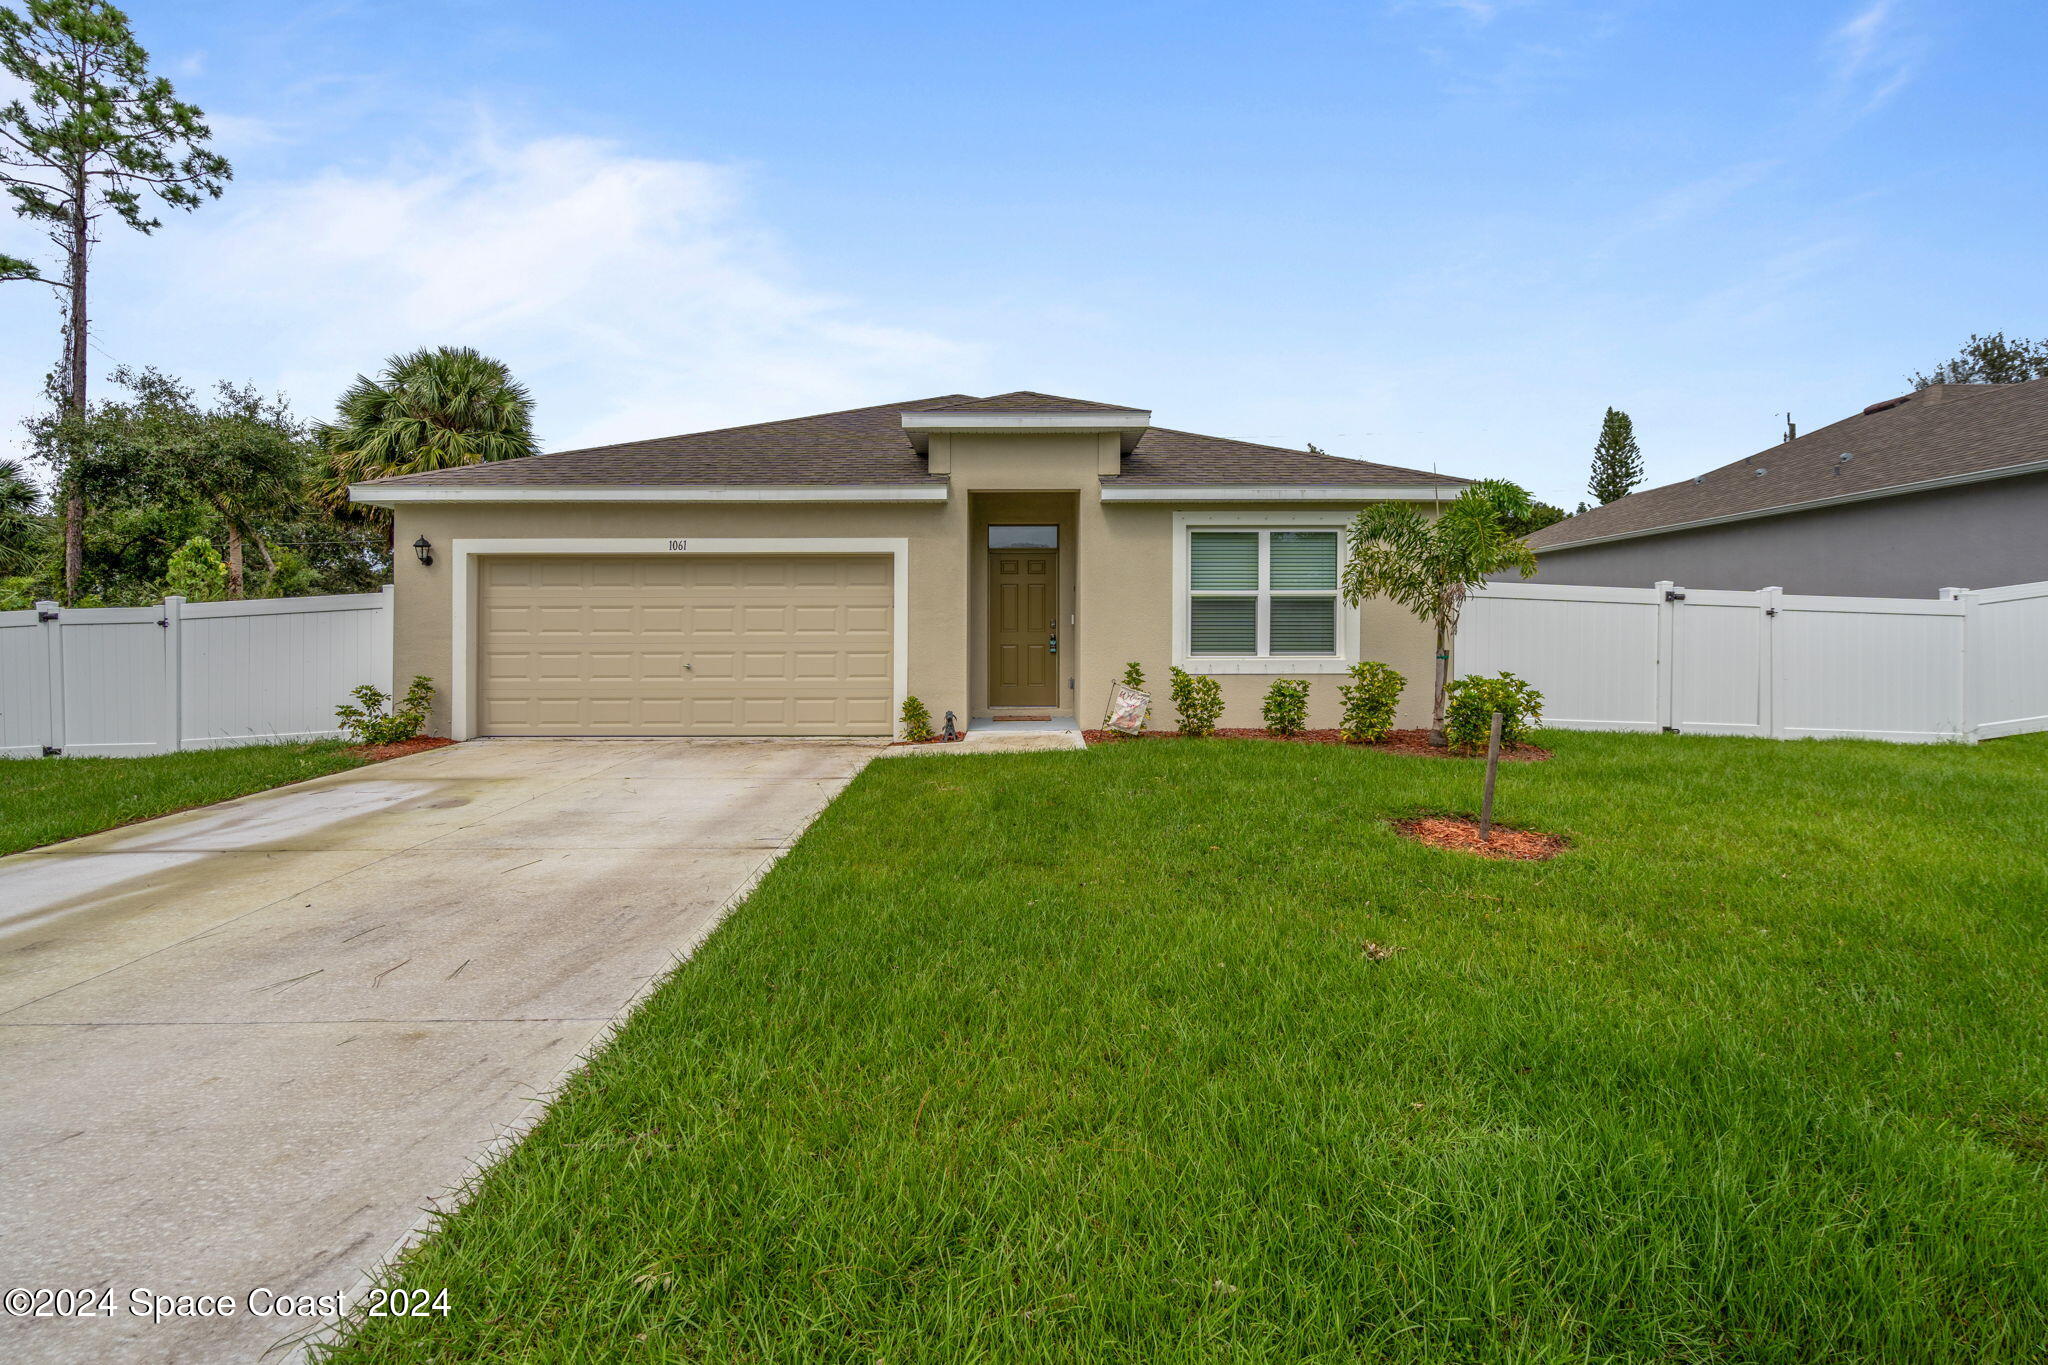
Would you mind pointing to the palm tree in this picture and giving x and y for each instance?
(1429, 564)
(430, 409)
(21, 527)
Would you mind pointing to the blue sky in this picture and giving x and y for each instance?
(1429, 232)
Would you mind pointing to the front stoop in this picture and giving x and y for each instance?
(1004, 737)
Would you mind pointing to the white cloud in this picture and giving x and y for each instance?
(1873, 58)
(634, 294)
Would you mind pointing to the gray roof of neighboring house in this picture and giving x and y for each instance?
(869, 446)
(1948, 431)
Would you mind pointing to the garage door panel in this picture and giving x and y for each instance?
(866, 667)
(610, 645)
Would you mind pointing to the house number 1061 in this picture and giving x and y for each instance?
(679, 545)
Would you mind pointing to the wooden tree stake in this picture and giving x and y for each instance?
(1492, 770)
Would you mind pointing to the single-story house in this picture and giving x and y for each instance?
(994, 557)
(1944, 487)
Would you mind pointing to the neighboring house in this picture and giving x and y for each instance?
(1946, 487)
(991, 556)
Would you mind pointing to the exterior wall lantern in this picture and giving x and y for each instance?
(424, 548)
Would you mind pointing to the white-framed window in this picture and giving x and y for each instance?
(1255, 596)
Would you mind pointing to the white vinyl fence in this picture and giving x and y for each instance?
(1971, 666)
(185, 675)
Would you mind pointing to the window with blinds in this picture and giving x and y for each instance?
(1262, 593)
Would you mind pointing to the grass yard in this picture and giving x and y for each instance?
(43, 800)
(1082, 1057)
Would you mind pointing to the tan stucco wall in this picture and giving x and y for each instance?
(1116, 566)
(1127, 584)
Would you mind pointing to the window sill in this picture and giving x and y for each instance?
(1269, 665)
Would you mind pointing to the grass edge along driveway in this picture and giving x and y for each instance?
(44, 800)
(1083, 1057)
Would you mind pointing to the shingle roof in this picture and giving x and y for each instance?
(1024, 400)
(869, 446)
(1940, 432)
(1166, 456)
(857, 446)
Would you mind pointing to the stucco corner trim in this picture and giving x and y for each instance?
(463, 555)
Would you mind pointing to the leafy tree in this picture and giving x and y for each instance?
(1541, 514)
(429, 409)
(1991, 360)
(21, 525)
(196, 572)
(1617, 461)
(244, 457)
(160, 467)
(1429, 564)
(94, 135)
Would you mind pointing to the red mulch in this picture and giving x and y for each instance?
(1462, 834)
(377, 753)
(1414, 742)
(935, 739)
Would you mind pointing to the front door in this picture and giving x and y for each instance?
(1024, 623)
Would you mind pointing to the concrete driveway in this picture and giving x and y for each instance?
(244, 1048)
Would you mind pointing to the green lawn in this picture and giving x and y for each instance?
(43, 800)
(1079, 1057)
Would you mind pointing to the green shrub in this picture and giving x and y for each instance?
(197, 574)
(368, 721)
(1197, 703)
(1286, 708)
(917, 721)
(1134, 676)
(1369, 701)
(1471, 702)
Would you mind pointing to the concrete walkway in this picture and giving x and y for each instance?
(245, 1047)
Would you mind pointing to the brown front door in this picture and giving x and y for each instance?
(1023, 626)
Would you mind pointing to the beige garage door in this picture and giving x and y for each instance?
(685, 645)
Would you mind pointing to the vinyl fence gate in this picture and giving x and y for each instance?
(119, 681)
(1971, 665)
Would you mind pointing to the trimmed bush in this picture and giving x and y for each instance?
(369, 722)
(1471, 702)
(1197, 703)
(1286, 708)
(1134, 676)
(917, 721)
(1369, 701)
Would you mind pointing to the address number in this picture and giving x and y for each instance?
(679, 545)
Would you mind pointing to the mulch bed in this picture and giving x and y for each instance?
(377, 753)
(1415, 742)
(1461, 834)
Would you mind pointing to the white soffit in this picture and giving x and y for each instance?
(382, 496)
(1209, 492)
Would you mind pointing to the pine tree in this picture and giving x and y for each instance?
(1617, 460)
(91, 136)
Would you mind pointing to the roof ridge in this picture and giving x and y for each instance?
(1086, 403)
